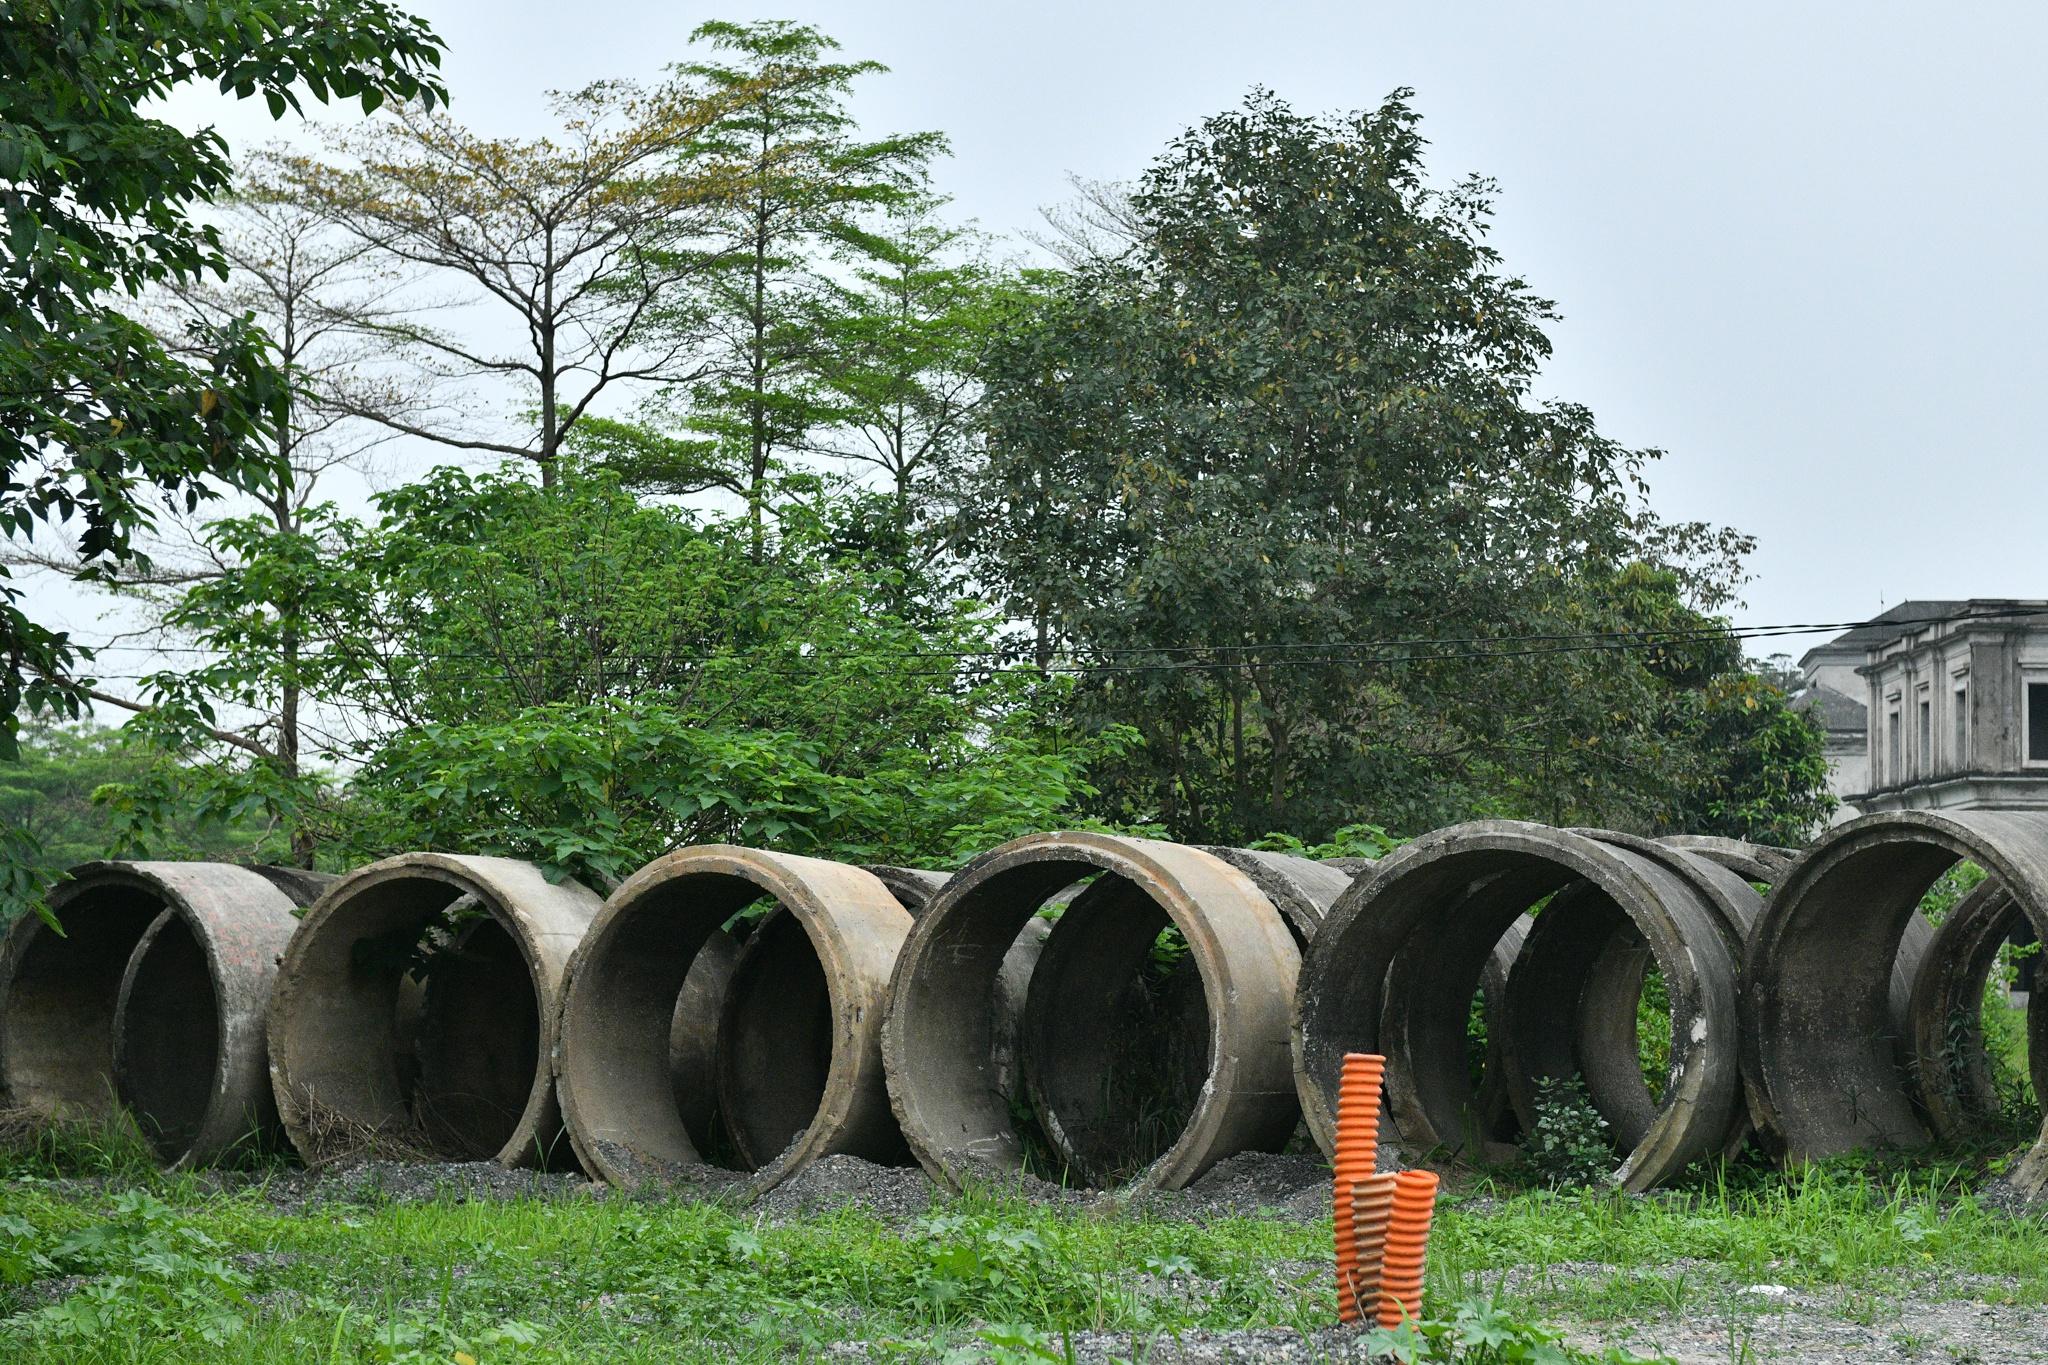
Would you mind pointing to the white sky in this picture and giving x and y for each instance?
(1797, 247)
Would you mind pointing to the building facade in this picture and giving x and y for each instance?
(1952, 702)
(1951, 699)
(1958, 711)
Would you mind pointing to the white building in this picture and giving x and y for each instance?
(1952, 702)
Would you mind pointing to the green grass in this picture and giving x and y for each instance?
(169, 1269)
(1836, 1226)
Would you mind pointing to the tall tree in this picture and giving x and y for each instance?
(906, 331)
(1271, 471)
(303, 285)
(565, 245)
(803, 183)
(96, 416)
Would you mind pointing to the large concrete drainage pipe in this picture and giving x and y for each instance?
(1435, 911)
(799, 1069)
(1763, 863)
(1823, 1031)
(1573, 1000)
(1953, 1072)
(153, 995)
(1301, 889)
(1110, 1092)
(415, 1009)
(939, 1038)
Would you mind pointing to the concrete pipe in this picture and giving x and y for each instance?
(190, 1042)
(1103, 1122)
(914, 889)
(797, 1045)
(415, 1009)
(1302, 890)
(1110, 1093)
(1756, 862)
(939, 1035)
(1439, 906)
(1822, 1026)
(1574, 1006)
(1952, 1071)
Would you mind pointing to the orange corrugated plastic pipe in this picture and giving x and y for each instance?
(1358, 1143)
(1372, 1204)
(1407, 1245)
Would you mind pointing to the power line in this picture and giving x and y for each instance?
(1332, 651)
(1355, 653)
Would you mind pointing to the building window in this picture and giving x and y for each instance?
(2037, 722)
(1926, 735)
(1893, 759)
(1962, 723)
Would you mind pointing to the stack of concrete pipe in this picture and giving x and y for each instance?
(731, 1014)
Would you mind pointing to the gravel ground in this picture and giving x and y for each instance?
(895, 1193)
(400, 1182)
(1922, 1322)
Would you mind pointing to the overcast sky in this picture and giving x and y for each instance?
(1796, 247)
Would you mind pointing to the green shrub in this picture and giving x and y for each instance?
(1570, 1145)
(1481, 1332)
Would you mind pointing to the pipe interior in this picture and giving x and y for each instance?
(1832, 1028)
(170, 1038)
(774, 1041)
(693, 1042)
(946, 1013)
(1117, 1038)
(478, 1043)
(775, 1047)
(1442, 964)
(58, 1024)
(621, 1019)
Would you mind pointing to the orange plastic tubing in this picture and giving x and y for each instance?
(1372, 1206)
(1407, 1246)
(1358, 1143)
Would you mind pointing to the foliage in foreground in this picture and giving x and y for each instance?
(168, 1268)
(571, 675)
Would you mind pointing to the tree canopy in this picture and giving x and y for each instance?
(1269, 468)
(96, 416)
(805, 518)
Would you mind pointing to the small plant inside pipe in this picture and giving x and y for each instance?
(1570, 1145)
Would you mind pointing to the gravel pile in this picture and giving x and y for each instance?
(1251, 1184)
(405, 1182)
(895, 1193)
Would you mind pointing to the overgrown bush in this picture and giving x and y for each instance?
(1570, 1145)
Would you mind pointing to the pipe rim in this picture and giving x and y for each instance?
(489, 880)
(1226, 982)
(782, 877)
